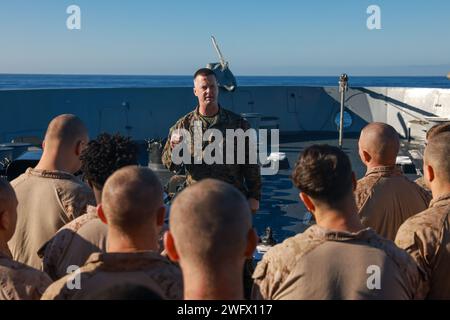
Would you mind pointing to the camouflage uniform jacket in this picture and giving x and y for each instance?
(19, 281)
(246, 177)
(426, 237)
(146, 268)
(327, 264)
(47, 201)
(386, 198)
(73, 244)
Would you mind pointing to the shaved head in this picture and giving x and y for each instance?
(65, 129)
(437, 155)
(210, 222)
(381, 142)
(131, 198)
(437, 129)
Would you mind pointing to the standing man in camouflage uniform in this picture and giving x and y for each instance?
(426, 236)
(337, 258)
(246, 177)
(17, 280)
(384, 196)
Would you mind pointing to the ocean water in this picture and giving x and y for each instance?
(24, 81)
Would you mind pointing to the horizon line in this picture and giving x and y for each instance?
(241, 75)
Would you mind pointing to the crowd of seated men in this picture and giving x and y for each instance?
(103, 237)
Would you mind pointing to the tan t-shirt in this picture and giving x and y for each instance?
(19, 281)
(426, 237)
(73, 244)
(145, 268)
(386, 198)
(47, 201)
(324, 264)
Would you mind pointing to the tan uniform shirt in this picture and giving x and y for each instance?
(47, 201)
(106, 269)
(73, 244)
(324, 264)
(19, 281)
(426, 237)
(386, 198)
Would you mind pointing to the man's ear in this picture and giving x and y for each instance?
(169, 246)
(252, 241)
(160, 215)
(366, 157)
(79, 148)
(429, 173)
(101, 214)
(195, 91)
(354, 182)
(308, 202)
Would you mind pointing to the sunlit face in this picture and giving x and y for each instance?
(206, 90)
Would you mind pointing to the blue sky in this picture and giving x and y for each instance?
(284, 37)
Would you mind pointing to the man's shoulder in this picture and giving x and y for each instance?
(364, 189)
(61, 290)
(89, 217)
(154, 267)
(22, 280)
(372, 186)
(365, 185)
(80, 235)
(19, 180)
(427, 225)
(431, 217)
(186, 120)
(400, 257)
(15, 268)
(282, 257)
(71, 184)
(65, 234)
(74, 196)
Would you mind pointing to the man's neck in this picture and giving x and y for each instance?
(53, 163)
(97, 194)
(371, 166)
(208, 110)
(118, 242)
(345, 219)
(213, 285)
(440, 189)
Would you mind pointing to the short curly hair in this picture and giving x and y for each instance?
(106, 154)
(324, 173)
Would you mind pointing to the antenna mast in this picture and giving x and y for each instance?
(223, 63)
